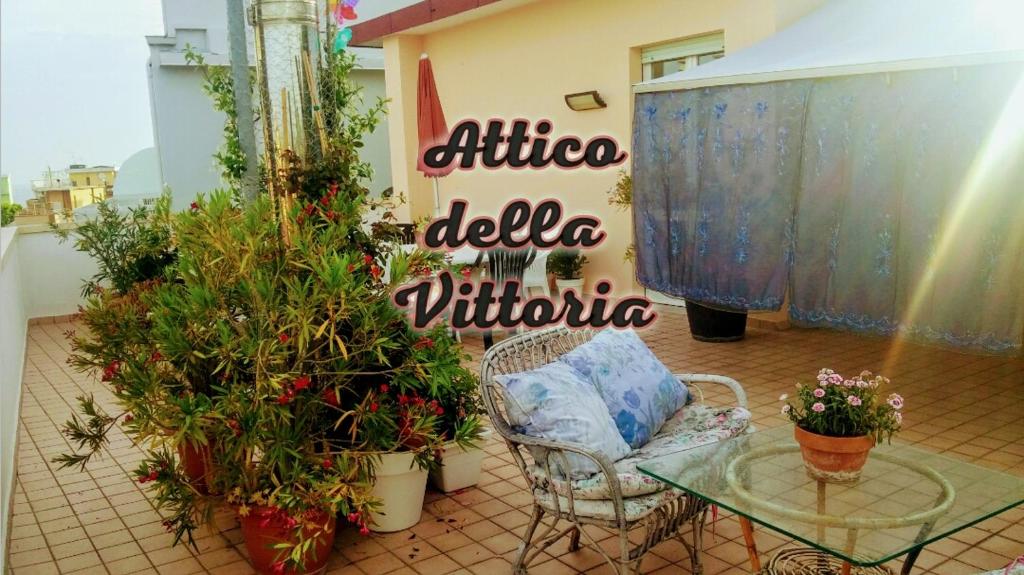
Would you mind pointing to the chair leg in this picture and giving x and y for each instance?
(574, 540)
(694, 549)
(519, 566)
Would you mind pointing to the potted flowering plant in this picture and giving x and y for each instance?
(839, 420)
(458, 411)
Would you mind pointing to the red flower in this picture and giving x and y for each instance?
(374, 407)
(403, 399)
(283, 399)
(283, 337)
(153, 475)
(194, 206)
(351, 268)
(129, 418)
(156, 356)
(277, 568)
(334, 188)
(330, 397)
(331, 215)
(466, 272)
(325, 200)
(364, 530)
(301, 382)
(309, 209)
(384, 388)
(327, 463)
(367, 259)
(299, 220)
(423, 342)
(439, 411)
(375, 271)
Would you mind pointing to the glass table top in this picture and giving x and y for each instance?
(905, 498)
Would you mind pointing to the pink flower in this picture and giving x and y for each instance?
(819, 393)
(849, 383)
(818, 407)
(786, 409)
(896, 401)
(898, 416)
(784, 397)
(835, 379)
(853, 400)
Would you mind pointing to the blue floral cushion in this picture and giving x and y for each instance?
(555, 402)
(640, 392)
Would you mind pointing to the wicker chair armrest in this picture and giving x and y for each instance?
(554, 452)
(732, 384)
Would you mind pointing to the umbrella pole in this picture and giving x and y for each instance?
(437, 197)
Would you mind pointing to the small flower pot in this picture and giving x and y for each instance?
(833, 459)
(197, 462)
(460, 468)
(400, 485)
(576, 284)
(263, 528)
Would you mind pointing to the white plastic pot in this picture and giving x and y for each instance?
(460, 468)
(576, 284)
(400, 486)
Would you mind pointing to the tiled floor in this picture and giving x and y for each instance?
(100, 521)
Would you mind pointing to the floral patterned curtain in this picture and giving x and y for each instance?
(715, 174)
(895, 206)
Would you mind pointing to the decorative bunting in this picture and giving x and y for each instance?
(341, 39)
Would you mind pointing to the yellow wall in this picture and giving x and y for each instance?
(520, 63)
(85, 195)
(92, 177)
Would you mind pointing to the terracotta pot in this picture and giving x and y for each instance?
(833, 459)
(263, 528)
(197, 462)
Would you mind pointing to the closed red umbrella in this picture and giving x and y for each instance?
(431, 125)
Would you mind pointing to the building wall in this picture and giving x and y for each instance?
(376, 150)
(521, 63)
(12, 359)
(93, 177)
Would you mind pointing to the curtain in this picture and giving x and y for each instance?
(890, 204)
(715, 174)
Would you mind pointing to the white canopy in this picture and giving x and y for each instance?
(846, 37)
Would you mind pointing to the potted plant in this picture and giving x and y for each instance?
(458, 411)
(839, 420)
(567, 267)
(133, 250)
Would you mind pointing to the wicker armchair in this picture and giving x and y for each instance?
(663, 516)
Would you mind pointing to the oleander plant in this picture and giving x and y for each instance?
(263, 364)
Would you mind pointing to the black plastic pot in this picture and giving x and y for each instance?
(715, 325)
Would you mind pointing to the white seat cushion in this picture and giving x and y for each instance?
(635, 507)
(691, 426)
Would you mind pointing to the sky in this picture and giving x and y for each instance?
(73, 84)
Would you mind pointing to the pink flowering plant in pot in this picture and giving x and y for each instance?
(838, 420)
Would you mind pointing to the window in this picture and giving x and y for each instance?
(88, 180)
(665, 59)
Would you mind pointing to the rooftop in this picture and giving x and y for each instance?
(99, 521)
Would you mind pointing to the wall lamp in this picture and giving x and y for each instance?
(584, 101)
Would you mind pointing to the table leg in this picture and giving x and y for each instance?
(846, 568)
(748, 538)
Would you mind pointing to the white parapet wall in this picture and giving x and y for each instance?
(39, 277)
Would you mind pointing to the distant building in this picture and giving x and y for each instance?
(59, 193)
(187, 130)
